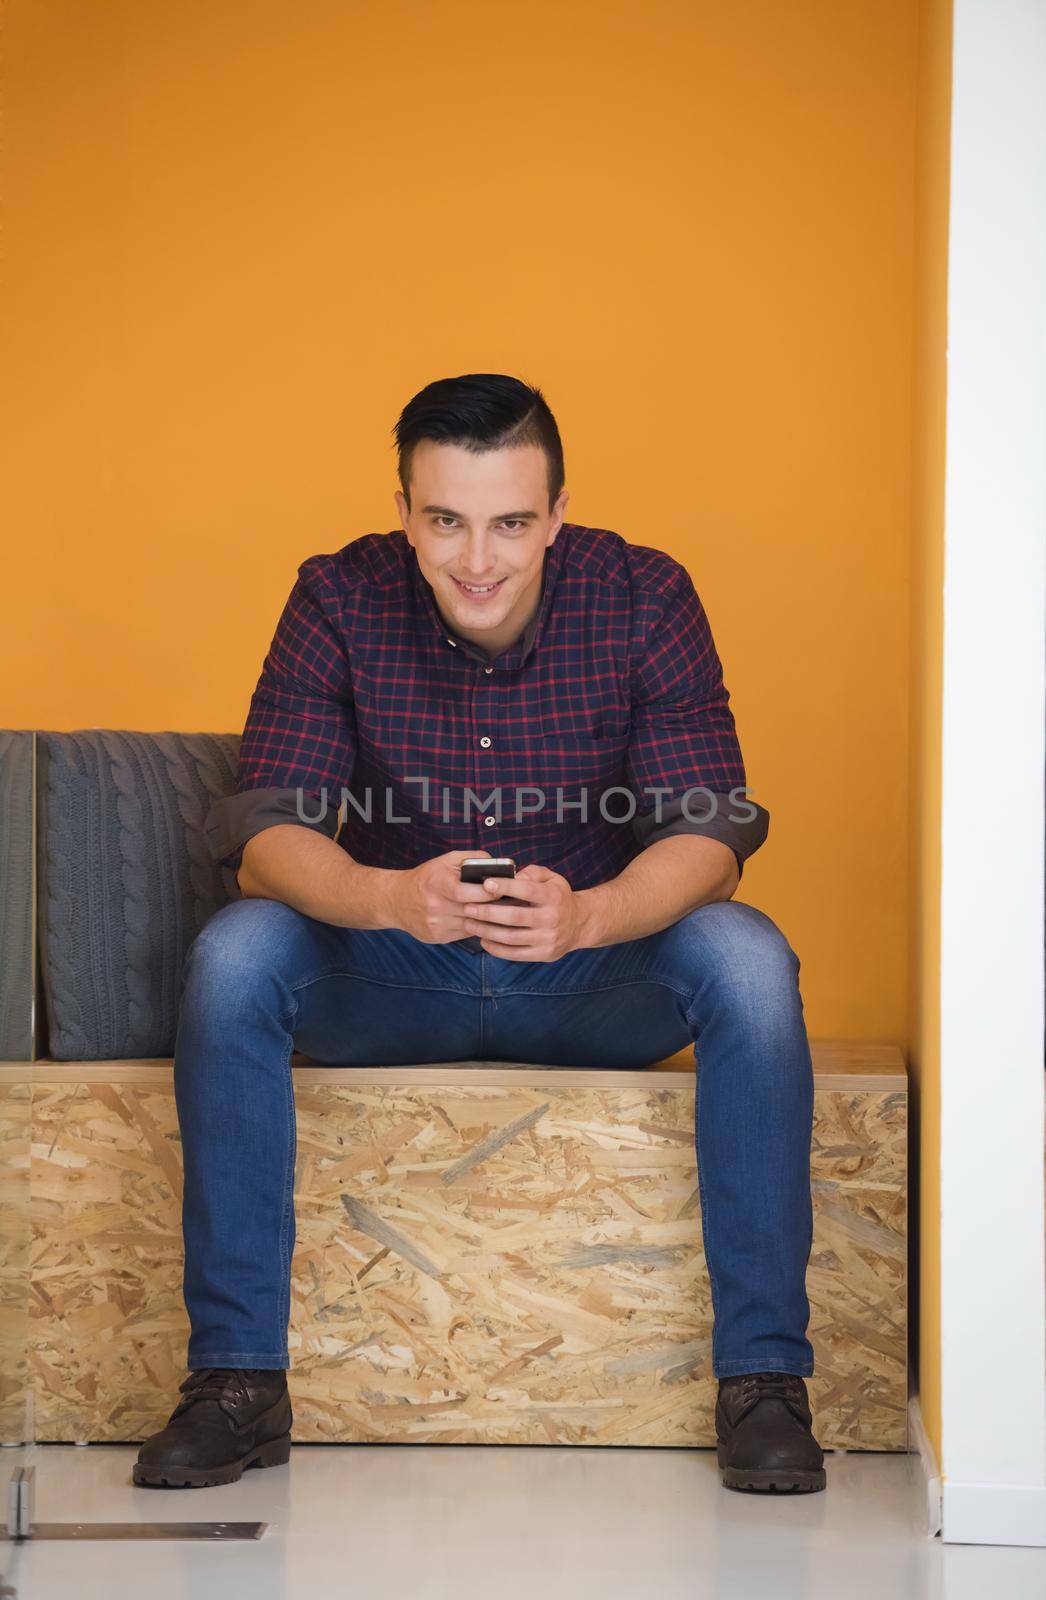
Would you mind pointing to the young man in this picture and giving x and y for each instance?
(491, 680)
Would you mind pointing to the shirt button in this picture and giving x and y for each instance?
(454, 642)
(488, 669)
(489, 821)
(485, 742)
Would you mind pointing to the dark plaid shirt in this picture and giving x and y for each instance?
(615, 684)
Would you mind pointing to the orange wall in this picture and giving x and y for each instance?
(242, 235)
(933, 146)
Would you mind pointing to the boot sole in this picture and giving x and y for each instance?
(274, 1453)
(774, 1480)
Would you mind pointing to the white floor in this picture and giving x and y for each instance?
(429, 1523)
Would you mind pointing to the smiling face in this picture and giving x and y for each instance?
(480, 525)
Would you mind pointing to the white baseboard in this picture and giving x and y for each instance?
(994, 1513)
(973, 1513)
(928, 1472)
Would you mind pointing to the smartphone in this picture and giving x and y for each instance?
(476, 868)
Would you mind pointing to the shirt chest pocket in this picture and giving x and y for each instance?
(566, 722)
(584, 745)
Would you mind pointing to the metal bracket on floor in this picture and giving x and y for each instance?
(21, 1491)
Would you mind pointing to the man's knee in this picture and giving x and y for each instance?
(242, 943)
(738, 947)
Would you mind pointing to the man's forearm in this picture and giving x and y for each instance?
(307, 870)
(663, 883)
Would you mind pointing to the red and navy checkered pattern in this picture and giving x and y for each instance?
(619, 684)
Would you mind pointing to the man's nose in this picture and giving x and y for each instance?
(478, 558)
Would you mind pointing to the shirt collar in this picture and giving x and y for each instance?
(517, 653)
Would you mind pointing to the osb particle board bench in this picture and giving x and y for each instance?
(486, 1253)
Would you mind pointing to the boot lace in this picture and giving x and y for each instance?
(226, 1385)
(786, 1386)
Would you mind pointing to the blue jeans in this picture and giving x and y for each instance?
(262, 979)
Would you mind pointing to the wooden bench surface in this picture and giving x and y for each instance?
(838, 1064)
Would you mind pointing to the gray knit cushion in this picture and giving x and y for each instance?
(16, 895)
(126, 882)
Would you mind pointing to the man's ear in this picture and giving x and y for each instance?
(558, 511)
(404, 513)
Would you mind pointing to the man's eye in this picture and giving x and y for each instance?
(513, 524)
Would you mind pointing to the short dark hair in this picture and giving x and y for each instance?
(481, 411)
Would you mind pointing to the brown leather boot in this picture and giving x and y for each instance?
(766, 1445)
(230, 1418)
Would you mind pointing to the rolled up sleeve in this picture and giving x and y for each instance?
(298, 747)
(684, 762)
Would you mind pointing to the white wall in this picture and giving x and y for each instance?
(992, 1279)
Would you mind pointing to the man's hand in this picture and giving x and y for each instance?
(551, 923)
(430, 900)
